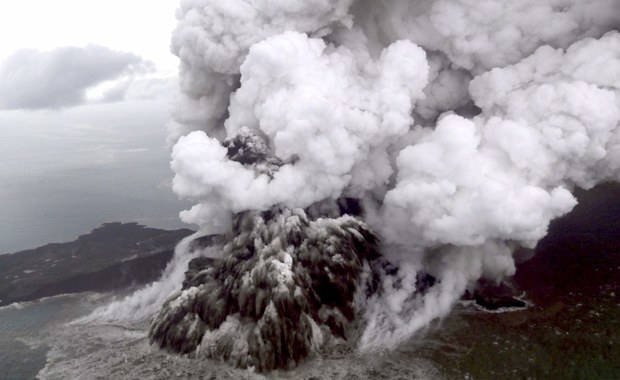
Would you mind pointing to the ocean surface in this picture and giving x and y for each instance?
(23, 327)
(63, 173)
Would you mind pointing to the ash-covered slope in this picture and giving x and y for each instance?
(112, 256)
(285, 283)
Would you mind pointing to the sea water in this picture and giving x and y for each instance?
(24, 328)
(63, 173)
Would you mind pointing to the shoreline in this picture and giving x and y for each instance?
(112, 256)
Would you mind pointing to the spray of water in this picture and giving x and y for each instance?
(142, 304)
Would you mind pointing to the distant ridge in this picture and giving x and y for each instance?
(112, 256)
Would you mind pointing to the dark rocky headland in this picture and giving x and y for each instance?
(111, 257)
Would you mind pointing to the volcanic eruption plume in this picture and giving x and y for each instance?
(371, 160)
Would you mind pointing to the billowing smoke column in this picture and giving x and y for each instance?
(459, 127)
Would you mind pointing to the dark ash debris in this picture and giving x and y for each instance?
(286, 283)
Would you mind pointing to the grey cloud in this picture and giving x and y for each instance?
(116, 93)
(31, 79)
(148, 88)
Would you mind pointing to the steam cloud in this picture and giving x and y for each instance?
(460, 126)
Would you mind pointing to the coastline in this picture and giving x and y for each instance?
(113, 256)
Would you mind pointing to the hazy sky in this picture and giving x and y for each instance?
(139, 26)
(64, 53)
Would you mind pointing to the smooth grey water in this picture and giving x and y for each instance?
(22, 351)
(63, 173)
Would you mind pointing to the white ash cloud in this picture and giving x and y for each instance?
(213, 37)
(480, 35)
(461, 125)
(548, 123)
(327, 116)
(32, 79)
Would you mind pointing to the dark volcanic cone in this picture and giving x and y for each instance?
(284, 285)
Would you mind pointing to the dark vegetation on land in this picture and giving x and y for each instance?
(113, 256)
